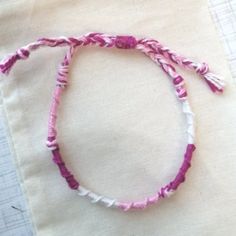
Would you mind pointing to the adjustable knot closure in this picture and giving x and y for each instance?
(125, 42)
(202, 69)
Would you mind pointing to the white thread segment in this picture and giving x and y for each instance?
(169, 193)
(190, 120)
(52, 145)
(96, 198)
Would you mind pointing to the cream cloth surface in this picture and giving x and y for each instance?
(121, 129)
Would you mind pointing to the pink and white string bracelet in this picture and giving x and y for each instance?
(162, 56)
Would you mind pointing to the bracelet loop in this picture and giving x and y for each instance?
(158, 53)
(123, 42)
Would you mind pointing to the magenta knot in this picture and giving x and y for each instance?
(22, 53)
(181, 92)
(202, 69)
(52, 143)
(125, 42)
(163, 192)
(177, 81)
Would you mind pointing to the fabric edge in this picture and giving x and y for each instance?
(10, 141)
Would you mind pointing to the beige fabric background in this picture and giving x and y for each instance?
(121, 128)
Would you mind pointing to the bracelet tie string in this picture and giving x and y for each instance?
(215, 83)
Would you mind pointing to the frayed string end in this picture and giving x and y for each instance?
(9, 62)
(214, 82)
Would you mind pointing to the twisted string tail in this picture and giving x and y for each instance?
(23, 53)
(178, 80)
(215, 83)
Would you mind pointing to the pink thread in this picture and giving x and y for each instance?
(153, 49)
(126, 42)
(65, 173)
(164, 191)
(213, 81)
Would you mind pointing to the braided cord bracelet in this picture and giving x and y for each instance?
(161, 55)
